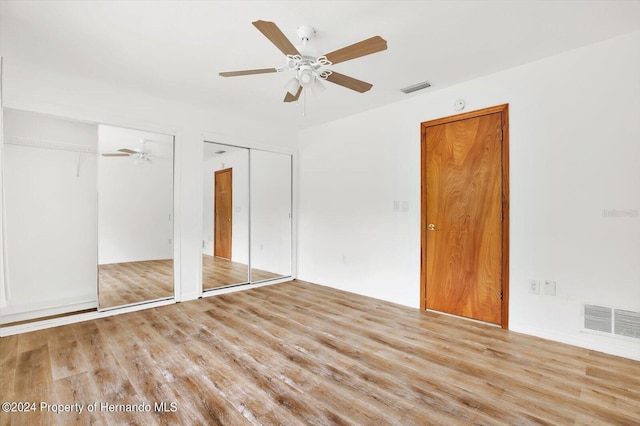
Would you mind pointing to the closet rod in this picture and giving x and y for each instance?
(39, 143)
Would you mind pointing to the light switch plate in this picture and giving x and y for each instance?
(550, 288)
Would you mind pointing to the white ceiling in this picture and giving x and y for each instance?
(175, 49)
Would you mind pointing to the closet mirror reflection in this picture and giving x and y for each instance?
(225, 235)
(135, 216)
(271, 230)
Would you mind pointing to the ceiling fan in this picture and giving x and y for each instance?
(310, 69)
(141, 155)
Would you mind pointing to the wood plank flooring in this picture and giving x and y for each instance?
(297, 353)
(134, 282)
(218, 272)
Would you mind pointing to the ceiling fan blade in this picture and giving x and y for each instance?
(273, 33)
(127, 151)
(292, 98)
(356, 50)
(349, 82)
(115, 155)
(247, 72)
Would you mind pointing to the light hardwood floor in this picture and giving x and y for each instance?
(218, 272)
(134, 282)
(298, 353)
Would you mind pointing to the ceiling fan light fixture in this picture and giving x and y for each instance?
(292, 86)
(317, 87)
(306, 76)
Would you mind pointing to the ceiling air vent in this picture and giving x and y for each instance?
(416, 87)
(597, 318)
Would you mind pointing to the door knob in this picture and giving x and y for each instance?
(431, 227)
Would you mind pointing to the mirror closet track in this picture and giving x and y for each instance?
(247, 216)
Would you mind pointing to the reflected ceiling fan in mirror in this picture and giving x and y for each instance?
(309, 67)
(141, 155)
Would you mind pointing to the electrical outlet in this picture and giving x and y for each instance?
(534, 287)
(550, 288)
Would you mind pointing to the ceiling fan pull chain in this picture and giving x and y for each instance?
(304, 103)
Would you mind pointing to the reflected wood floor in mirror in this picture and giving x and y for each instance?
(299, 353)
(135, 282)
(218, 272)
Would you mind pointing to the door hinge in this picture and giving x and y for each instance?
(500, 134)
(501, 295)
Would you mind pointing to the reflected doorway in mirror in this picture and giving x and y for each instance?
(223, 213)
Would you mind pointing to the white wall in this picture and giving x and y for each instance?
(62, 95)
(238, 161)
(270, 212)
(575, 151)
(50, 207)
(135, 201)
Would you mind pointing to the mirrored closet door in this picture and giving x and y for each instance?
(225, 234)
(246, 235)
(270, 215)
(135, 216)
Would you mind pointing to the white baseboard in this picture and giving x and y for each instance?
(610, 344)
(71, 319)
(24, 312)
(188, 296)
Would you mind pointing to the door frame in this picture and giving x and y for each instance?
(504, 110)
(215, 210)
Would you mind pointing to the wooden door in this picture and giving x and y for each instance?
(464, 206)
(222, 213)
